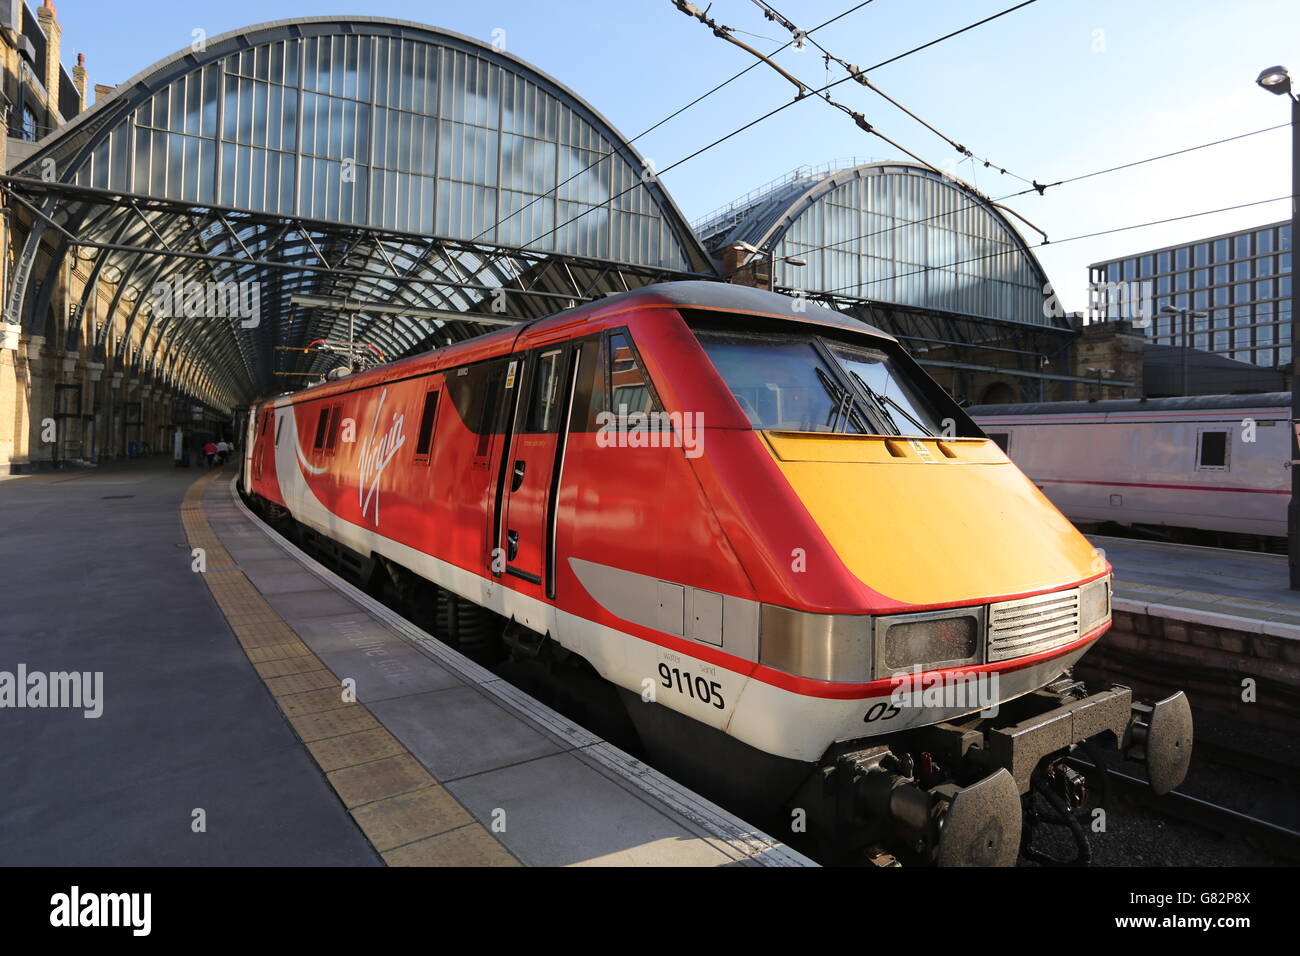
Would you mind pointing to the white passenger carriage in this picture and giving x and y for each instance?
(1210, 462)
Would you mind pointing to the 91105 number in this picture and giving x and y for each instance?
(706, 691)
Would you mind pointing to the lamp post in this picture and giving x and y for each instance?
(1101, 372)
(771, 257)
(1187, 315)
(1275, 79)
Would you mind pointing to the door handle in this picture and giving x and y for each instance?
(512, 544)
(518, 478)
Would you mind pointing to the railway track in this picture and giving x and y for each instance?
(1268, 837)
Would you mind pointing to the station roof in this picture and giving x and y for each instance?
(335, 163)
(892, 232)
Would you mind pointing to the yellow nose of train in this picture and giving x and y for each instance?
(933, 521)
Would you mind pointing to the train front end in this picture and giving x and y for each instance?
(921, 602)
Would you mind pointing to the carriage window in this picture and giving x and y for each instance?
(1212, 453)
(424, 438)
(491, 387)
(332, 427)
(1002, 440)
(279, 425)
(321, 424)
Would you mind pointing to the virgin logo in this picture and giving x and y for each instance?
(375, 456)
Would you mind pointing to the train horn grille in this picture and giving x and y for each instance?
(1032, 625)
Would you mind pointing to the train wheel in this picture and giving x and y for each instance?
(474, 631)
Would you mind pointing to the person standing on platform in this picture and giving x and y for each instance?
(210, 452)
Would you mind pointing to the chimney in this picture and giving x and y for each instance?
(80, 77)
(102, 90)
(49, 18)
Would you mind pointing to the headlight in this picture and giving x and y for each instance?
(929, 640)
(1094, 605)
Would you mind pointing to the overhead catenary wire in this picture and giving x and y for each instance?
(859, 119)
(1072, 179)
(671, 116)
(787, 105)
(1150, 159)
(860, 76)
(1057, 242)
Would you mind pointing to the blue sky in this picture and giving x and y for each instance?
(1057, 89)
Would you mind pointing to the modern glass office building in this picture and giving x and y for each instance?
(1241, 281)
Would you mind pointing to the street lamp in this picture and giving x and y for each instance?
(772, 259)
(1187, 315)
(1276, 80)
(1100, 373)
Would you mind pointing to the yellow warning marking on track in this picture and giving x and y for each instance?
(407, 816)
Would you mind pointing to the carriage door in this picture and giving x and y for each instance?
(531, 466)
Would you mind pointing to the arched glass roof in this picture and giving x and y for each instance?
(890, 232)
(363, 159)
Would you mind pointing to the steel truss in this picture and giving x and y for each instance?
(139, 245)
(969, 343)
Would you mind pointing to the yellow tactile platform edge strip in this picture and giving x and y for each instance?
(406, 814)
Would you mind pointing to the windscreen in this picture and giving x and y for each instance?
(809, 384)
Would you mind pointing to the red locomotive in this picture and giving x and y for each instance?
(760, 521)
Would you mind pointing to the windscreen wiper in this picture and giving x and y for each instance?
(879, 401)
(845, 403)
(841, 396)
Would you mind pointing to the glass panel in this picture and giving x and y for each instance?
(544, 400)
(629, 386)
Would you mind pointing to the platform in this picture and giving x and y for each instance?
(224, 691)
(1221, 625)
(1241, 589)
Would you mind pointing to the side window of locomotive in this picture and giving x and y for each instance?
(490, 390)
(1212, 451)
(428, 421)
(589, 396)
(279, 426)
(544, 393)
(332, 427)
(322, 424)
(630, 390)
(473, 394)
(1002, 440)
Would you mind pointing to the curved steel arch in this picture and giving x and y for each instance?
(768, 220)
(119, 179)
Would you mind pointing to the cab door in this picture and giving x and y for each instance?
(535, 453)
